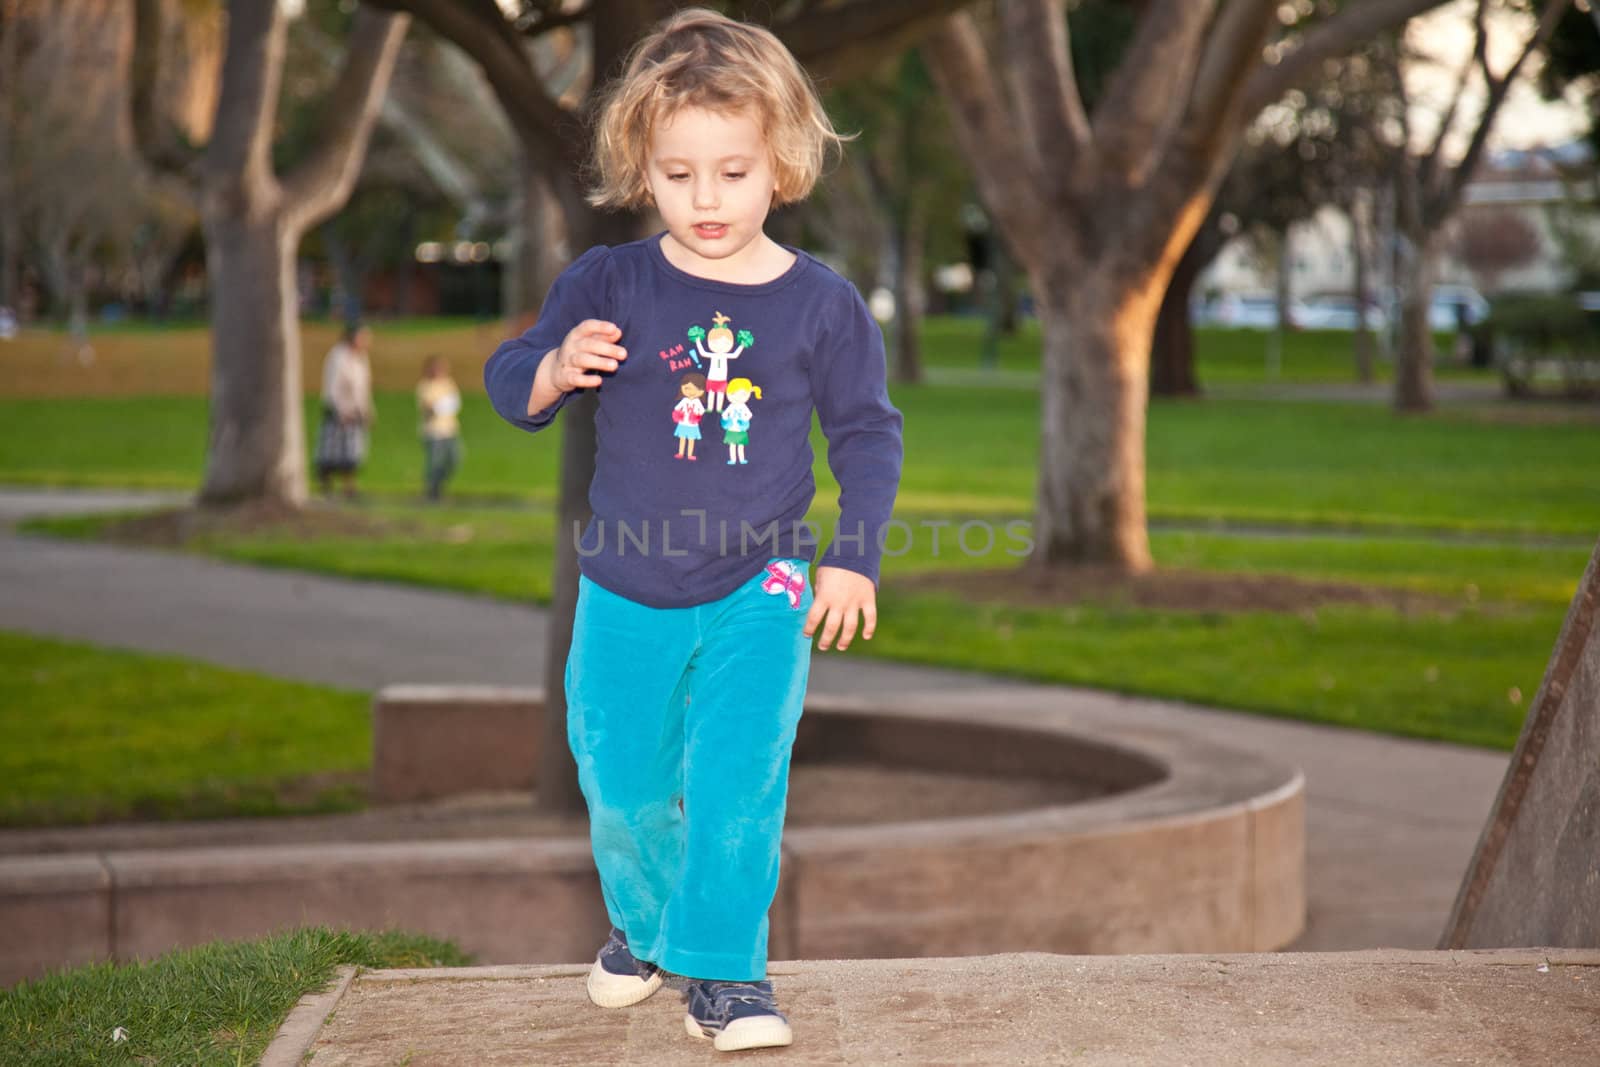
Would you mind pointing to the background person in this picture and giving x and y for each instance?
(347, 410)
(439, 409)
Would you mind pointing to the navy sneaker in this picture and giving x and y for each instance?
(617, 978)
(736, 1015)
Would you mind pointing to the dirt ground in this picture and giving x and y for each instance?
(176, 527)
(1165, 589)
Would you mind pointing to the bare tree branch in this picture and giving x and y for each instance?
(1233, 45)
(1450, 195)
(1479, 60)
(1329, 39)
(552, 18)
(986, 132)
(1408, 193)
(240, 148)
(169, 162)
(1044, 92)
(443, 167)
(479, 29)
(1138, 108)
(322, 182)
(874, 30)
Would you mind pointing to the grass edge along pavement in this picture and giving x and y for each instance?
(214, 1004)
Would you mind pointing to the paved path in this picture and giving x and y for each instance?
(1261, 1010)
(1391, 823)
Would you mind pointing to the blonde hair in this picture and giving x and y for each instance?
(699, 58)
(744, 383)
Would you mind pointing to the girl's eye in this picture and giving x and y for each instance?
(677, 177)
(734, 176)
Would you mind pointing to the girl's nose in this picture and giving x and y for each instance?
(705, 194)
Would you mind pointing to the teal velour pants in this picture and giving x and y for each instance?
(682, 721)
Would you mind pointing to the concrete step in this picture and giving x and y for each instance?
(1387, 1006)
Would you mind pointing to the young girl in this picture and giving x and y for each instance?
(691, 642)
(439, 410)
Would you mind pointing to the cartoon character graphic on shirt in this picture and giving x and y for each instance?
(736, 418)
(686, 415)
(717, 346)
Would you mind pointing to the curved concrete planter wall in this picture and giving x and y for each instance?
(1193, 847)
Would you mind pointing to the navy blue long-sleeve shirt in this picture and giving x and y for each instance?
(670, 531)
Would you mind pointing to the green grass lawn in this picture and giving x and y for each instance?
(1236, 460)
(213, 1005)
(94, 734)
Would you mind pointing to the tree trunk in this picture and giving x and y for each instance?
(1413, 372)
(1005, 289)
(1281, 296)
(10, 255)
(347, 274)
(558, 791)
(1365, 346)
(540, 248)
(405, 271)
(10, 222)
(1172, 370)
(910, 300)
(1097, 325)
(256, 449)
(78, 309)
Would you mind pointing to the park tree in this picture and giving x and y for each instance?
(1321, 145)
(253, 218)
(1429, 181)
(1099, 203)
(833, 40)
(912, 177)
(72, 204)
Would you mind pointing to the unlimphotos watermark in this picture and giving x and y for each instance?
(694, 532)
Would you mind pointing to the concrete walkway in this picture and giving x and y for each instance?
(1391, 823)
(1512, 1007)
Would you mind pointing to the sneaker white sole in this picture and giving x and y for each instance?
(767, 1031)
(619, 990)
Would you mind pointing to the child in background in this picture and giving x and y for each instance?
(439, 409)
(691, 643)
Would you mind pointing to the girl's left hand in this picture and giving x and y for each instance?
(840, 596)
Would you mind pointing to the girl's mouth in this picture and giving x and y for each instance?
(710, 231)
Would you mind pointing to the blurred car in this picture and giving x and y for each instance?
(1250, 311)
(1332, 311)
(1453, 305)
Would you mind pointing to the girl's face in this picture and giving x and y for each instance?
(691, 390)
(738, 396)
(712, 179)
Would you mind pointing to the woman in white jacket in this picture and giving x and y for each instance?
(346, 410)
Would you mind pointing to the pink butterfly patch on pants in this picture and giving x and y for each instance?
(784, 577)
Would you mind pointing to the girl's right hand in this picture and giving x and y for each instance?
(589, 347)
